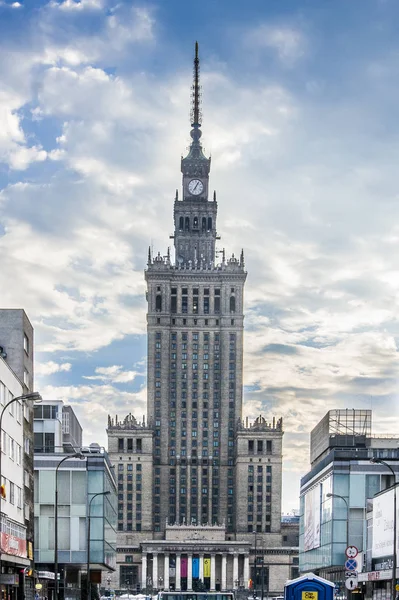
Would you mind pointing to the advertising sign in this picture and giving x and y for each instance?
(13, 545)
(383, 525)
(312, 519)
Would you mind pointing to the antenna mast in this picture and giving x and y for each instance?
(196, 115)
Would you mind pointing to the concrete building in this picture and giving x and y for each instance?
(79, 480)
(16, 379)
(336, 491)
(198, 488)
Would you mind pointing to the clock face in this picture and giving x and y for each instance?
(195, 187)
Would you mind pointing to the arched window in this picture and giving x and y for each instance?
(203, 223)
(158, 303)
(187, 224)
(181, 224)
(195, 223)
(232, 304)
(209, 223)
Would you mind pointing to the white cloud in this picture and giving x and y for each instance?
(289, 43)
(51, 367)
(78, 5)
(113, 374)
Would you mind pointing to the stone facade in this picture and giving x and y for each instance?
(198, 487)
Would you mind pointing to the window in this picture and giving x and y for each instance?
(26, 378)
(120, 444)
(12, 493)
(173, 302)
(26, 343)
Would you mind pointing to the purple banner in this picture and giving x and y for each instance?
(183, 567)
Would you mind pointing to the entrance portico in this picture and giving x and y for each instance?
(195, 558)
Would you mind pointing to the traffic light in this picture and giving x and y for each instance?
(3, 490)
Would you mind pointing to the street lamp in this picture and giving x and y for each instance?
(33, 397)
(329, 495)
(378, 461)
(88, 540)
(56, 585)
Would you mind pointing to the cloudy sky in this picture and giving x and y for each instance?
(300, 104)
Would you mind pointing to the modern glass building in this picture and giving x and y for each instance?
(334, 493)
(86, 492)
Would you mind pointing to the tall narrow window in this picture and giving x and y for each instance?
(158, 303)
(217, 301)
(209, 223)
(232, 304)
(187, 224)
(184, 300)
(195, 223)
(203, 224)
(173, 300)
(195, 301)
(181, 224)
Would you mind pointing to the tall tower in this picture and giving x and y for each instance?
(195, 355)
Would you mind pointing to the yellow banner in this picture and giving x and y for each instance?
(207, 567)
(309, 595)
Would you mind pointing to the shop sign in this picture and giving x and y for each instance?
(46, 575)
(13, 545)
(375, 575)
(9, 579)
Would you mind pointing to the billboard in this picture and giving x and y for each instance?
(312, 519)
(383, 523)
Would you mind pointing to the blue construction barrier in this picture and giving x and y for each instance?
(309, 587)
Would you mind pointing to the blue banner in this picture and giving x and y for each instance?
(196, 568)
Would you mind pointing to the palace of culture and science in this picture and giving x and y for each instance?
(199, 490)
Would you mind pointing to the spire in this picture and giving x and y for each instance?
(196, 116)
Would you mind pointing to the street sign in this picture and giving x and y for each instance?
(351, 583)
(351, 552)
(351, 564)
(350, 574)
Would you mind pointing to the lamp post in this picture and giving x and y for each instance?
(349, 593)
(378, 461)
(33, 397)
(56, 584)
(88, 539)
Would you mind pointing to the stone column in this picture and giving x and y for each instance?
(224, 572)
(189, 572)
(155, 570)
(213, 572)
(166, 572)
(201, 568)
(143, 571)
(235, 571)
(246, 570)
(178, 572)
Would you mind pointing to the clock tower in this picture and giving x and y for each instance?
(195, 215)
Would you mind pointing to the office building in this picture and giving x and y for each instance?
(198, 488)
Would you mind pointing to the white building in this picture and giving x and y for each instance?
(14, 544)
